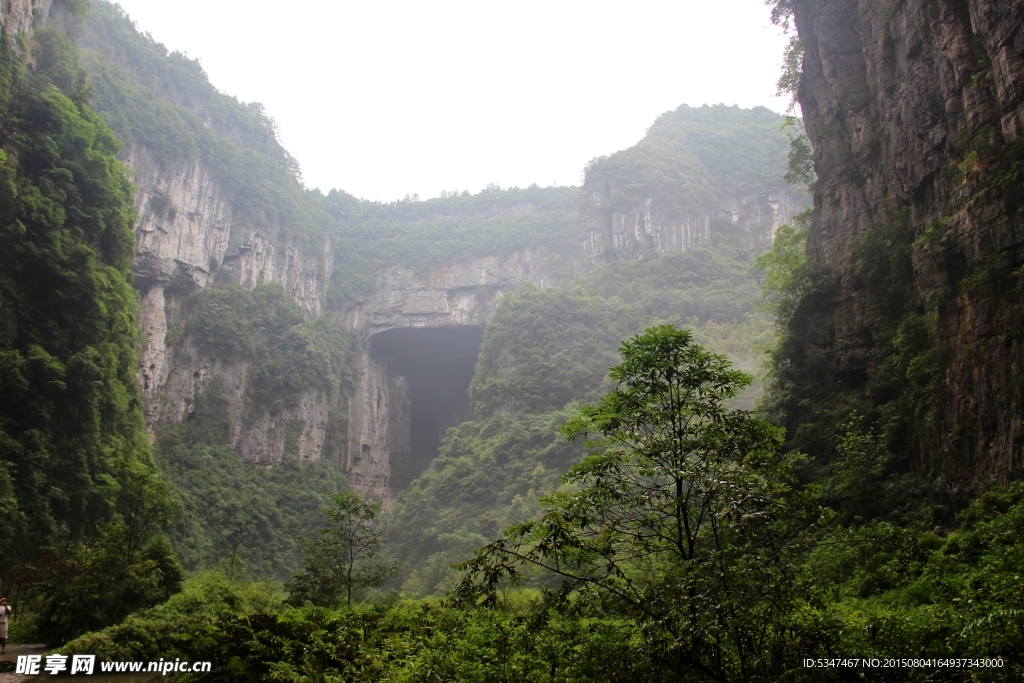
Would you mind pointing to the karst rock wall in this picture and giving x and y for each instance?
(647, 228)
(915, 110)
(188, 237)
(17, 16)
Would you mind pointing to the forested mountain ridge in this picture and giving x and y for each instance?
(695, 165)
(910, 304)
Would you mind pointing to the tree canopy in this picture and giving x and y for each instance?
(683, 516)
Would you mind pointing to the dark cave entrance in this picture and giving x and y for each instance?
(437, 364)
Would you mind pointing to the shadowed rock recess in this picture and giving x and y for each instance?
(420, 335)
(435, 365)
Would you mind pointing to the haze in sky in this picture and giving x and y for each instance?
(389, 98)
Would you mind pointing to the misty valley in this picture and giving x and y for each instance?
(744, 405)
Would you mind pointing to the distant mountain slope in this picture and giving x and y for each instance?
(695, 167)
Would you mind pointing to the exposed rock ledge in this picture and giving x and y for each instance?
(188, 237)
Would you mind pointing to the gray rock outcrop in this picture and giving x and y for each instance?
(188, 237)
(916, 113)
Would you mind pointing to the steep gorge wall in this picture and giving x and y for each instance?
(188, 236)
(698, 170)
(187, 147)
(915, 110)
(647, 229)
(17, 16)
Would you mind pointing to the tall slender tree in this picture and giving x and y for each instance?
(341, 557)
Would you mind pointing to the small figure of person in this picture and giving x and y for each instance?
(5, 609)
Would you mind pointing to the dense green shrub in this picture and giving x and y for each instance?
(183, 621)
(78, 487)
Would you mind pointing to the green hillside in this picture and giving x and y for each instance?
(694, 158)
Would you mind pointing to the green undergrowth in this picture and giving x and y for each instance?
(232, 510)
(878, 590)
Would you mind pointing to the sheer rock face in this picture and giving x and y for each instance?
(16, 16)
(461, 294)
(647, 229)
(890, 92)
(188, 237)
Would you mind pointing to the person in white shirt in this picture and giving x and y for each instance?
(4, 611)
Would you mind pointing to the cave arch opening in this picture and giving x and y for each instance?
(433, 366)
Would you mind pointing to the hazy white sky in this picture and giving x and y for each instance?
(384, 98)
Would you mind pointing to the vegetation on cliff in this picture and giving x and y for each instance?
(82, 502)
(234, 513)
(691, 157)
(370, 236)
(163, 102)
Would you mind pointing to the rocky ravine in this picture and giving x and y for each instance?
(915, 110)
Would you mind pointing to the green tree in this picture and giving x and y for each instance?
(342, 555)
(682, 517)
(786, 271)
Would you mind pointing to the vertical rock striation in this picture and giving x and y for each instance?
(17, 16)
(699, 170)
(188, 237)
(915, 110)
(646, 228)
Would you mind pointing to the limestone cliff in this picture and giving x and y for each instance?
(218, 204)
(915, 110)
(646, 228)
(17, 16)
(188, 237)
